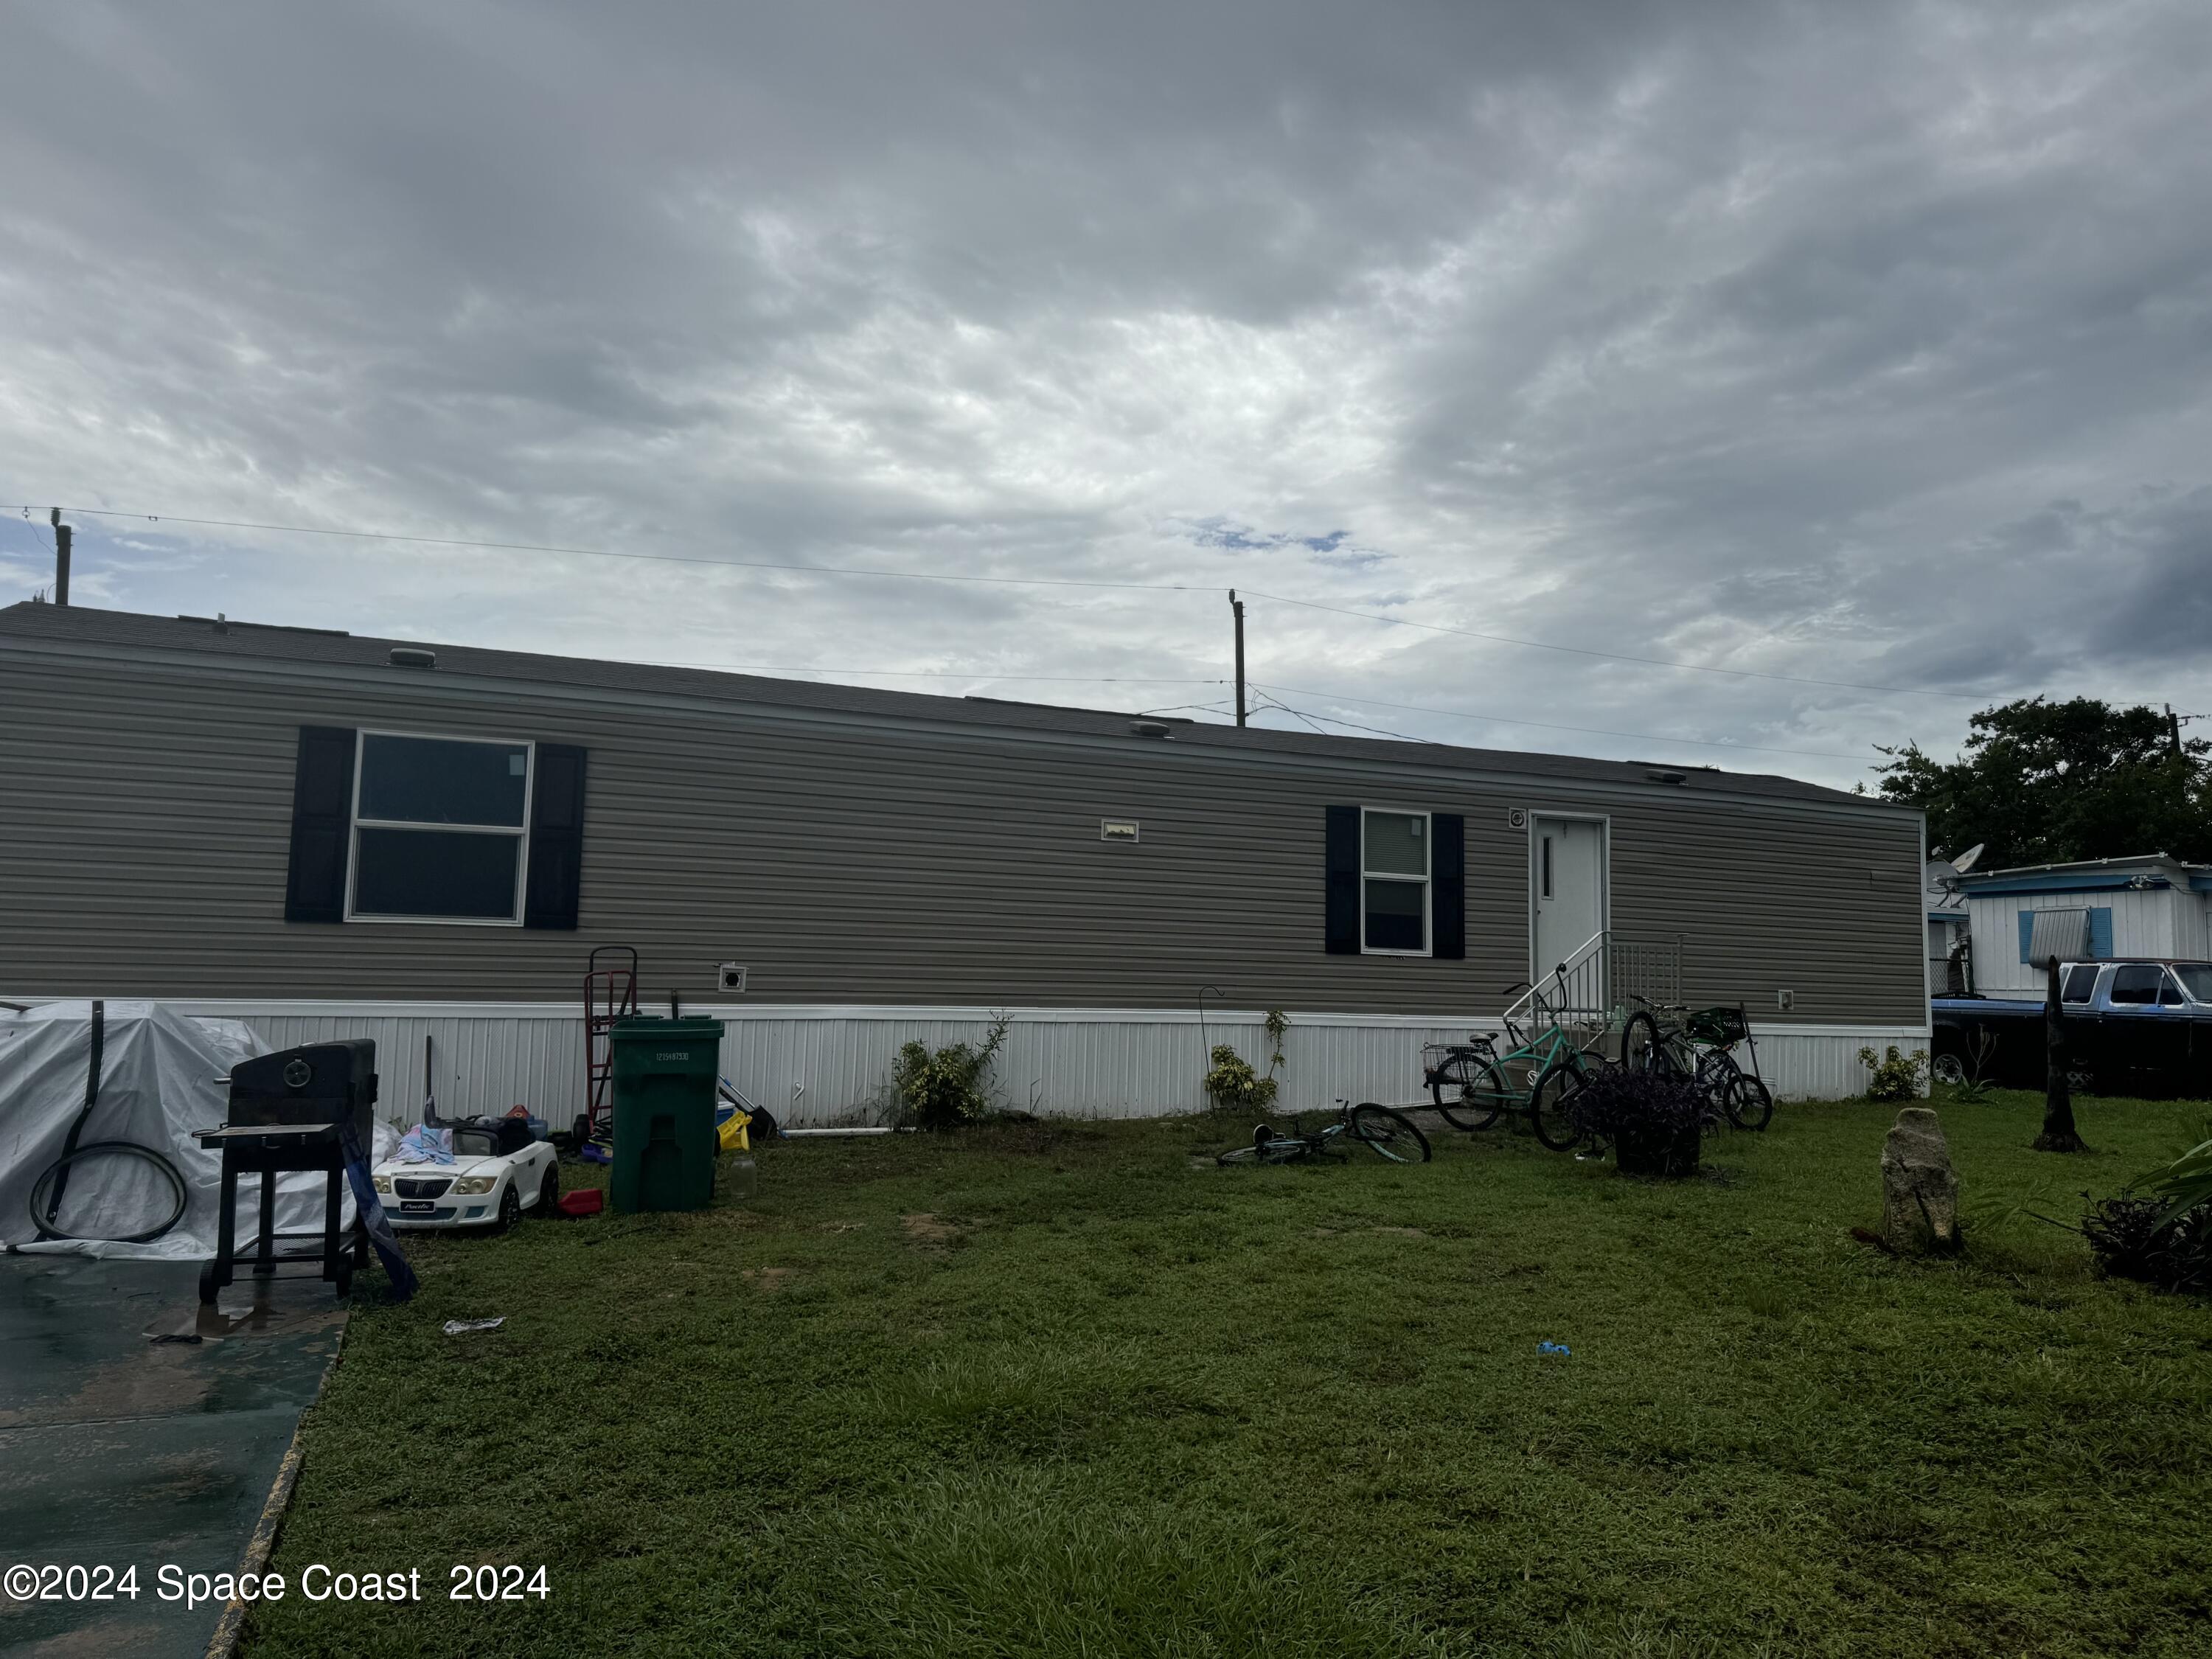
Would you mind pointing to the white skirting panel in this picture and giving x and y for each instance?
(831, 1064)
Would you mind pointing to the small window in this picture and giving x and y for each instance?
(439, 828)
(2081, 983)
(1394, 882)
(2136, 982)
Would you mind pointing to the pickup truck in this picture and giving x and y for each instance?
(2137, 1026)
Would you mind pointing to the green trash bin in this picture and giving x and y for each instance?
(664, 1111)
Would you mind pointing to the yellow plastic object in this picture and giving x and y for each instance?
(732, 1135)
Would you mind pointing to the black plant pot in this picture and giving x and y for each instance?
(1668, 1154)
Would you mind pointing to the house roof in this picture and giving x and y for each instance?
(2084, 866)
(2139, 870)
(79, 625)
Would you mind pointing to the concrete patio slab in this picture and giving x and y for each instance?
(139, 1428)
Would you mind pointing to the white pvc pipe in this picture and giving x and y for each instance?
(793, 1134)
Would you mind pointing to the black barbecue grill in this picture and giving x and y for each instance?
(290, 1111)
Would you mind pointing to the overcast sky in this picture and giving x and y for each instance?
(1851, 342)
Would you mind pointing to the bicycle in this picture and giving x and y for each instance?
(1466, 1080)
(1386, 1133)
(1698, 1044)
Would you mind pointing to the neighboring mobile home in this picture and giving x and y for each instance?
(331, 834)
(2150, 905)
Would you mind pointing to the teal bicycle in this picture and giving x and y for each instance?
(1388, 1134)
(1468, 1081)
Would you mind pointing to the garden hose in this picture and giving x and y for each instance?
(46, 1193)
(47, 1190)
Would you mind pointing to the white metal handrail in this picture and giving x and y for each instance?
(1590, 986)
(1555, 993)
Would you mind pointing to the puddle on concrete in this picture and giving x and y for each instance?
(247, 1310)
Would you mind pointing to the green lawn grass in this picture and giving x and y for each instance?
(1059, 1390)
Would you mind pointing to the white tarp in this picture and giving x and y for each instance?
(160, 1078)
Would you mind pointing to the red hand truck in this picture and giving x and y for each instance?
(609, 994)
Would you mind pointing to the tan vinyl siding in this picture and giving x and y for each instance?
(145, 811)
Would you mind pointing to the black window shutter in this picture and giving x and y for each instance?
(556, 838)
(322, 819)
(1448, 885)
(1342, 930)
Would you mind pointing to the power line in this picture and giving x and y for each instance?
(1262, 709)
(1193, 707)
(1554, 725)
(1617, 656)
(1401, 737)
(611, 553)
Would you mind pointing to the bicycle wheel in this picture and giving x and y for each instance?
(1283, 1149)
(1751, 1106)
(1548, 1103)
(1717, 1076)
(1391, 1135)
(1639, 1044)
(1469, 1092)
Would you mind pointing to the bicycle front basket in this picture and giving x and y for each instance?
(1723, 1027)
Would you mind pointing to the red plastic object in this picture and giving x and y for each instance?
(584, 1200)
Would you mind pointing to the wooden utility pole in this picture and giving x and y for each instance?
(62, 534)
(1237, 609)
(2173, 731)
(2059, 1134)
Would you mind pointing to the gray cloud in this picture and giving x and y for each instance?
(1867, 343)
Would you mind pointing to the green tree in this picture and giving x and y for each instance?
(2045, 783)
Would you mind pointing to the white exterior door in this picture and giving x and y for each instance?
(1568, 855)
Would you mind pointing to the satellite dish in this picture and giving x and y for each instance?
(1941, 881)
(1968, 859)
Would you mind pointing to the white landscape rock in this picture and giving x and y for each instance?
(1919, 1188)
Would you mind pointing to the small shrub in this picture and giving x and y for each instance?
(1896, 1076)
(1232, 1082)
(1616, 1101)
(1963, 1072)
(2128, 1241)
(1230, 1079)
(943, 1088)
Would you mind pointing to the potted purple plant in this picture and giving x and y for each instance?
(1656, 1120)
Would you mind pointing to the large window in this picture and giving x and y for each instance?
(2144, 983)
(2196, 979)
(440, 829)
(1394, 881)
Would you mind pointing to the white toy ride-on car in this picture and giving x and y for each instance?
(483, 1186)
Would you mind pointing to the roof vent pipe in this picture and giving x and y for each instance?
(1148, 728)
(413, 656)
